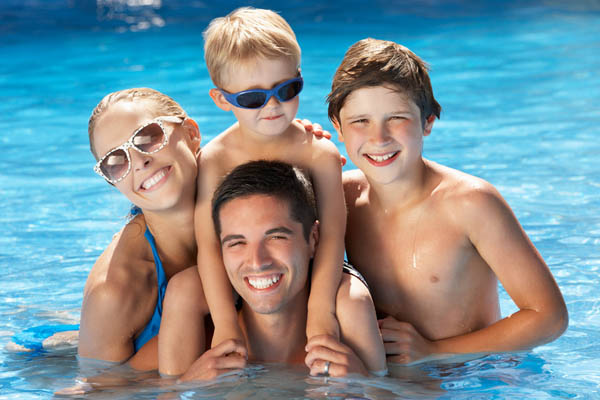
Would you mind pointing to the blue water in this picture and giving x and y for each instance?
(520, 88)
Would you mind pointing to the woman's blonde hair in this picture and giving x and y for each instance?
(244, 34)
(159, 104)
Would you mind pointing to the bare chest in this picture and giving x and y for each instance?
(416, 264)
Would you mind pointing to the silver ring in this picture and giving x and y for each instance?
(326, 370)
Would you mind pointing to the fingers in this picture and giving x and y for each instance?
(319, 367)
(343, 160)
(392, 323)
(229, 362)
(323, 349)
(325, 341)
(209, 366)
(315, 128)
(227, 347)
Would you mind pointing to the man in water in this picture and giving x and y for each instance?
(265, 218)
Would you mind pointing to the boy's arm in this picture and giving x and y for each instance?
(501, 241)
(215, 283)
(327, 264)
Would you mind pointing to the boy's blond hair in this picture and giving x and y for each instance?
(371, 62)
(158, 103)
(244, 34)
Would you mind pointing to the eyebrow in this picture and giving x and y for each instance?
(279, 229)
(360, 116)
(231, 237)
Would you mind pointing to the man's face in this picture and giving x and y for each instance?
(264, 251)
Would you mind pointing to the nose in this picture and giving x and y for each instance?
(258, 257)
(139, 161)
(380, 135)
(272, 102)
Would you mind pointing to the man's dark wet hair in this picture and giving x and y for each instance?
(270, 178)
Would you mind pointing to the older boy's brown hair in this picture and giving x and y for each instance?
(372, 62)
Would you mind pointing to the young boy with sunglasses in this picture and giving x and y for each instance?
(431, 241)
(254, 61)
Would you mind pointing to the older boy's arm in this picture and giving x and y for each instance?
(215, 283)
(502, 242)
(326, 273)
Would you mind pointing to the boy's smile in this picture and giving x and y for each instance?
(382, 131)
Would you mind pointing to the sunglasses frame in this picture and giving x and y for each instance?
(129, 145)
(232, 97)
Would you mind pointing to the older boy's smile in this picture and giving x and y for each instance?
(381, 160)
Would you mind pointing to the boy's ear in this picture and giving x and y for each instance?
(193, 132)
(219, 99)
(313, 239)
(338, 129)
(428, 125)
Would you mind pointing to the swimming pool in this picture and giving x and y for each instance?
(519, 85)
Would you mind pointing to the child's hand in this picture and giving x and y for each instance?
(327, 356)
(320, 322)
(315, 128)
(403, 343)
(318, 132)
(228, 356)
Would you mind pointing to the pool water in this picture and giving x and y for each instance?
(519, 85)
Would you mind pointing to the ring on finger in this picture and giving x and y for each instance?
(326, 369)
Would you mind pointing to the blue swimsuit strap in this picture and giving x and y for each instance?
(153, 325)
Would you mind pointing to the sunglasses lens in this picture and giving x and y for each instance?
(115, 165)
(252, 99)
(150, 138)
(289, 91)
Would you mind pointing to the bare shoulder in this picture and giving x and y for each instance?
(123, 269)
(466, 195)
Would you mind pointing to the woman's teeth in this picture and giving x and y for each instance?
(153, 180)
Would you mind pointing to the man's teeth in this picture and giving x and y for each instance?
(383, 157)
(263, 283)
(148, 183)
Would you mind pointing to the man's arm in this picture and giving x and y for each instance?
(501, 241)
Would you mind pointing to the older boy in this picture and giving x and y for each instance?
(431, 241)
(253, 59)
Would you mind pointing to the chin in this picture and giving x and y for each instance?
(261, 308)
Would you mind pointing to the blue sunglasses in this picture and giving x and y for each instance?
(257, 98)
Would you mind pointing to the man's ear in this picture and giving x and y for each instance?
(219, 99)
(193, 132)
(338, 129)
(428, 125)
(313, 238)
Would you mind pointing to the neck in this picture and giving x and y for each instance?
(173, 232)
(258, 142)
(404, 191)
(277, 337)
